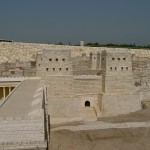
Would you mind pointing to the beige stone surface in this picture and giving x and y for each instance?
(113, 81)
(123, 132)
(19, 103)
(27, 51)
(22, 122)
(114, 139)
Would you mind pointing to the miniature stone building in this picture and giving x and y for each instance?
(73, 96)
(120, 94)
(83, 84)
(81, 72)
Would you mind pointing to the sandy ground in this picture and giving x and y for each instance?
(92, 136)
(140, 116)
(109, 139)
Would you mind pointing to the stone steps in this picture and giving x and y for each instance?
(21, 131)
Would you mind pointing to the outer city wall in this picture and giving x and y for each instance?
(12, 51)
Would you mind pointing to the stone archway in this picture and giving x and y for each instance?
(87, 104)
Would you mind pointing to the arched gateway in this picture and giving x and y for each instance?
(87, 104)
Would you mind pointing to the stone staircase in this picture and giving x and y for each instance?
(88, 114)
(22, 131)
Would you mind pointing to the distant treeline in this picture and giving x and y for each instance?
(117, 45)
(96, 44)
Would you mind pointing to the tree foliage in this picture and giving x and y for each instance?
(96, 44)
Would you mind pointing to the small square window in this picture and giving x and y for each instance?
(122, 68)
(53, 69)
(126, 68)
(39, 65)
(118, 58)
(47, 69)
(113, 58)
(124, 58)
(56, 59)
(50, 59)
(67, 69)
(115, 68)
(12, 72)
(110, 68)
(59, 69)
(63, 59)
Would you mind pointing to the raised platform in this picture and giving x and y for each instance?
(22, 118)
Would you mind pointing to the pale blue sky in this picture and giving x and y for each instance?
(51, 21)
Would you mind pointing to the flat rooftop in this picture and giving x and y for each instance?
(19, 102)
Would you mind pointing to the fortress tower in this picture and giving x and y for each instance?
(55, 69)
(119, 77)
(54, 63)
(119, 91)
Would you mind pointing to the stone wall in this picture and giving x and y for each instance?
(120, 95)
(120, 104)
(141, 72)
(27, 51)
(119, 76)
(87, 86)
(81, 63)
(119, 63)
(17, 69)
(54, 62)
(64, 107)
(59, 85)
(74, 73)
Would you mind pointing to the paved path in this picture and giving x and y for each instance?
(19, 103)
(102, 125)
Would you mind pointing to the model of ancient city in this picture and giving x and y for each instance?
(48, 89)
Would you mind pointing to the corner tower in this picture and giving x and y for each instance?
(119, 77)
(54, 63)
(55, 69)
(119, 95)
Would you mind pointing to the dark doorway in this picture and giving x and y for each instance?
(87, 104)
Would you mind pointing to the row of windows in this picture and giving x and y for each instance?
(54, 69)
(63, 59)
(122, 68)
(56, 59)
(118, 58)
